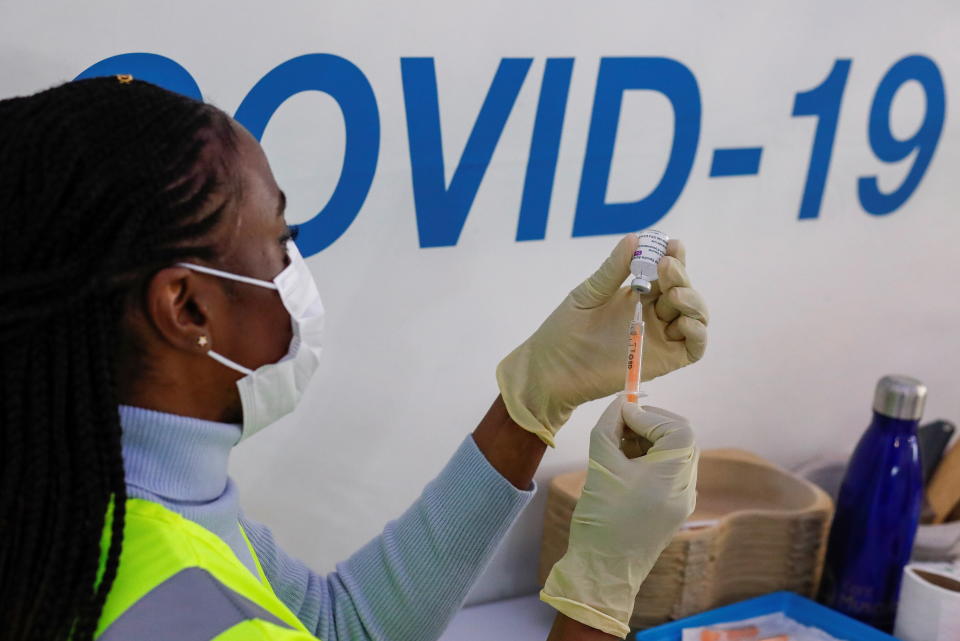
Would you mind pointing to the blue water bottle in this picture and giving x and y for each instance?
(878, 508)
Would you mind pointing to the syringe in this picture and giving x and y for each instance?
(632, 444)
(634, 356)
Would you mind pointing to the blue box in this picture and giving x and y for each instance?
(794, 606)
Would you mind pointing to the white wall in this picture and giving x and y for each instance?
(806, 315)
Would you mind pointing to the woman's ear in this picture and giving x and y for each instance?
(178, 305)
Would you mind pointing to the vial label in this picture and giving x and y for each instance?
(652, 245)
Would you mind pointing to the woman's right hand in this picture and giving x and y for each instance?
(578, 353)
(626, 516)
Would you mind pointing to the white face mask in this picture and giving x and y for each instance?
(272, 391)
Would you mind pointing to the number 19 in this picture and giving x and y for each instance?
(824, 100)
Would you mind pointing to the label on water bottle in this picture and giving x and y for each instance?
(857, 600)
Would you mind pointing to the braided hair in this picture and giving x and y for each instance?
(102, 183)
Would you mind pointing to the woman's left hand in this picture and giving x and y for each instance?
(627, 513)
(579, 353)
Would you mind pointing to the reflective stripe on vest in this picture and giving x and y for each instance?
(177, 580)
(191, 605)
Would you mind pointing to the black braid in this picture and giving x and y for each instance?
(102, 183)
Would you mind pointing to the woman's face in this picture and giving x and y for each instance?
(251, 241)
(246, 323)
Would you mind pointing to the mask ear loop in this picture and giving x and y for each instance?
(237, 277)
(223, 360)
(220, 358)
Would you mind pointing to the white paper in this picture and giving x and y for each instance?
(769, 625)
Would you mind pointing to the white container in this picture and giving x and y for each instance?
(929, 608)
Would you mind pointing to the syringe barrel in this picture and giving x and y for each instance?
(634, 361)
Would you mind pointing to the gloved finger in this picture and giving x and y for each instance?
(682, 301)
(694, 474)
(664, 413)
(677, 254)
(667, 434)
(647, 445)
(687, 478)
(605, 282)
(606, 435)
(677, 249)
(692, 332)
(671, 273)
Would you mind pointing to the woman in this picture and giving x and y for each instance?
(154, 311)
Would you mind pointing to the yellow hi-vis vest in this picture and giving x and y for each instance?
(179, 582)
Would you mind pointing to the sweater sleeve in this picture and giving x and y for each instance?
(408, 582)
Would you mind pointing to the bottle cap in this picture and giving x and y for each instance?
(900, 397)
(641, 285)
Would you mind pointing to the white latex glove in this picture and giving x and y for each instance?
(626, 516)
(579, 353)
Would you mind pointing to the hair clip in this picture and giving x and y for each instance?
(124, 78)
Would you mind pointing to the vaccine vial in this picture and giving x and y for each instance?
(651, 247)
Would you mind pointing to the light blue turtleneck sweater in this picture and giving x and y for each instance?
(405, 584)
